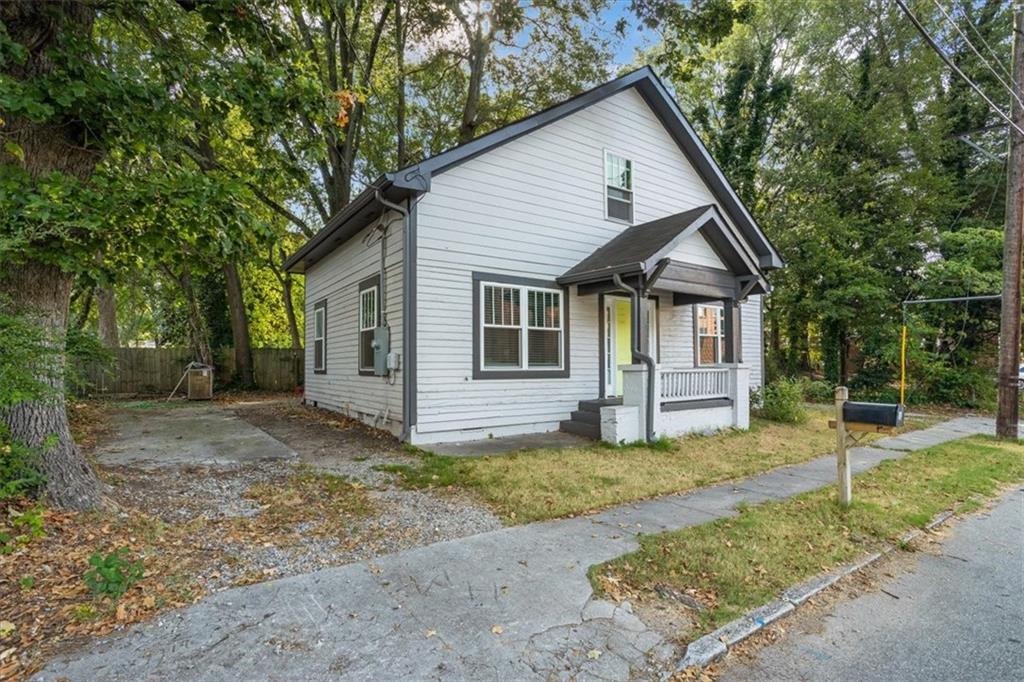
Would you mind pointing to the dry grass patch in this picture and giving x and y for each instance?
(736, 564)
(550, 483)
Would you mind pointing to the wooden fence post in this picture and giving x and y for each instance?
(842, 460)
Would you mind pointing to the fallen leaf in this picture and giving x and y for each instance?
(7, 628)
(594, 654)
(497, 629)
(431, 633)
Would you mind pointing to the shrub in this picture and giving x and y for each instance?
(782, 401)
(20, 472)
(112, 575)
(23, 527)
(817, 391)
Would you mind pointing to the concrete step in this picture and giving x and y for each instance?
(581, 429)
(596, 404)
(586, 417)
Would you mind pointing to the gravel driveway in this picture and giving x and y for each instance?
(183, 462)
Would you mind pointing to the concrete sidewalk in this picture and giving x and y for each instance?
(510, 604)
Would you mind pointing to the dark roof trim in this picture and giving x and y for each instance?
(664, 106)
(659, 99)
(346, 223)
(641, 248)
(415, 179)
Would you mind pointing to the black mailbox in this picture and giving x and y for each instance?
(883, 414)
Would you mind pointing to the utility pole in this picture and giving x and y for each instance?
(1008, 415)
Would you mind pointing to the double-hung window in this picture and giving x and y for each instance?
(618, 187)
(710, 334)
(320, 336)
(369, 319)
(520, 330)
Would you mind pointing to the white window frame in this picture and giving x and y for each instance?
(363, 328)
(631, 189)
(320, 320)
(524, 327)
(720, 325)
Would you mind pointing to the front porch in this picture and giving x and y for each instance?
(676, 268)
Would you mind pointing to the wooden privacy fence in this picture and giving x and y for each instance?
(157, 370)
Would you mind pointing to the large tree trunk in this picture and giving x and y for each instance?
(106, 306)
(239, 326)
(42, 292)
(289, 312)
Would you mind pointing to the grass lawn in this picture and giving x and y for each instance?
(548, 483)
(739, 563)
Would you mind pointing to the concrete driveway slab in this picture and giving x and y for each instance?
(190, 434)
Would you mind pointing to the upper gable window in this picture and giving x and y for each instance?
(618, 190)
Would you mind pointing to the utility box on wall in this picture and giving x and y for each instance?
(381, 348)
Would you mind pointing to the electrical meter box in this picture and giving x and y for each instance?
(381, 349)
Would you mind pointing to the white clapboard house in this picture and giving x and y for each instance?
(588, 268)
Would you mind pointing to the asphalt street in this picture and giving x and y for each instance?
(959, 616)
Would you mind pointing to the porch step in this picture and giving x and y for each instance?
(586, 421)
(596, 404)
(581, 428)
(587, 417)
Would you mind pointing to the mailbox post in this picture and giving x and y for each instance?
(842, 460)
(859, 418)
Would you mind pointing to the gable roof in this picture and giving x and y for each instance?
(639, 249)
(415, 179)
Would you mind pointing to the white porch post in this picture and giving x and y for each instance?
(634, 393)
(739, 393)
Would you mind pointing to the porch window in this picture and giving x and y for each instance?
(369, 320)
(320, 337)
(710, 334)
(520, 330)
(618, 181)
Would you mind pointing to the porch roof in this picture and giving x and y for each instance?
(643, 251)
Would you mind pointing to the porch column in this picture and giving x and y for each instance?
(732, 351)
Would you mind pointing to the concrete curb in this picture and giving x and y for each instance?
(715, 645)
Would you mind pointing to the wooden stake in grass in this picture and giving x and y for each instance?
(842, 461)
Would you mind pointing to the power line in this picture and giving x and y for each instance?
(984, 61)
(988, 47)
(942, 55)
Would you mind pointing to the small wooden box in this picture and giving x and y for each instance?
(200, 384)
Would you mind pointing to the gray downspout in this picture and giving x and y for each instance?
(379, 196)
(638, 354)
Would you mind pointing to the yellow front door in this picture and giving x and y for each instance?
(623, 339)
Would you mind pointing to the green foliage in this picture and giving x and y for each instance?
(816, 390)
(22, 527)
(20, 472)
(84, 348)
(27, 360)
(112, 575)
(782, 401)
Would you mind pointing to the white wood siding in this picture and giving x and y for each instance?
(336, 278)
(696, 249)
(534, 207)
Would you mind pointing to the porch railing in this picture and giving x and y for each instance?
(701, 383)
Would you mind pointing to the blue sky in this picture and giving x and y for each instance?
(638, 37)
